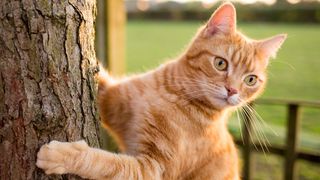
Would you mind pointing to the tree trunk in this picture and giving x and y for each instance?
(47, 85)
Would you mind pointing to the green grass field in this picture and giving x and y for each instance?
(294, 74)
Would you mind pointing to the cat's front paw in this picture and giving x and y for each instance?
(60, 157)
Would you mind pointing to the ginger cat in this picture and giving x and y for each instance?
(170, 123)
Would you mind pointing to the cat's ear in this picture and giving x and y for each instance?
(268, 48)
(222, 20)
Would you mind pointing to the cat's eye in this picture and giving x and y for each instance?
(251, 80)
(220, 64)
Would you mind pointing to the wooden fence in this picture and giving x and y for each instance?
(290, 152)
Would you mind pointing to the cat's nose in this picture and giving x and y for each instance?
(231, 91)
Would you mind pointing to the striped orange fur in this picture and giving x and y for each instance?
(170, 123)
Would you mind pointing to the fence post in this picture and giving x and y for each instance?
(247, 144)
(292, 141)
(116, 22)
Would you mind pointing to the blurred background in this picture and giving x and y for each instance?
(142, 34)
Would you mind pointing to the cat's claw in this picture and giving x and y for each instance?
(59, 157)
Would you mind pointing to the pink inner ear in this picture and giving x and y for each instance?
(269, 47)
(223, 19)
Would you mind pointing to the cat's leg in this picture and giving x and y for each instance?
(78, 158)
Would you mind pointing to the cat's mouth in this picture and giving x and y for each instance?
(229, 101)
(234, 100)
(221, 102)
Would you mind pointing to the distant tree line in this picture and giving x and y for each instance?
(304, 12)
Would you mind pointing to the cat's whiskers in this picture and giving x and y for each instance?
(239, 121)
(249, 132)
(259, 129)
(261, 119)
(258, 125)
(261, 122)
(286, 63)
(249, 112)
(256, 131)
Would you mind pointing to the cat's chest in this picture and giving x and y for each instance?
(193, 147)
(199, 145)
(198, 153)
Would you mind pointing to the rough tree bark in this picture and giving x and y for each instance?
(47, 86)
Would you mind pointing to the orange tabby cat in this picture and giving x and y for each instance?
(170, 123)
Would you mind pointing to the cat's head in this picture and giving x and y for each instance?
(229, 68)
